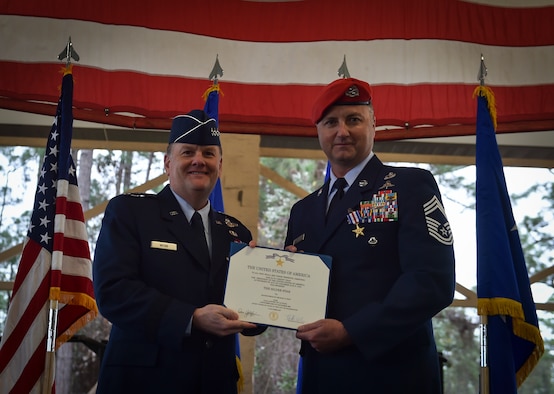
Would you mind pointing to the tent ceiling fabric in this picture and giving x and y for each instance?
(143, 62)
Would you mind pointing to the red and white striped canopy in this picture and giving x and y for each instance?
(151, 60)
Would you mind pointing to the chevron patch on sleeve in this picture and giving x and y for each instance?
(437, 223)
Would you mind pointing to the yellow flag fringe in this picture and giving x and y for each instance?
(67, 69)
(532, 334)
(240, 382)
(70, 298)
(486, 92)
(529, 332)
(214, 88)
(500, 306)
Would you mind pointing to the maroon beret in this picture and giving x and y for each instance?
(344, 91)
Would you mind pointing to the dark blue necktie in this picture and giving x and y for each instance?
(200, 235)
(339, 184)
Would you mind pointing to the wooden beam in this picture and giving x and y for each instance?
(283, 182)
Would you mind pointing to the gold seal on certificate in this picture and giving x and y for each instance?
(276, 287)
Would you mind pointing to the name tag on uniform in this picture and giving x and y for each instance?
(163, 245)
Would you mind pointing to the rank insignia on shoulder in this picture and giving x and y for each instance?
(437, 223)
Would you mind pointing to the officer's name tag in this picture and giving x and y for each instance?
(163, 245)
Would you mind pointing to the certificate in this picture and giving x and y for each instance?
(276, 287)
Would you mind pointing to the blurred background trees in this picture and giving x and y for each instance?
(104, 174)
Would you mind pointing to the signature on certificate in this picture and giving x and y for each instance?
(247, 312)
(295, 319)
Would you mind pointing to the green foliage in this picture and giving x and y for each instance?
(456, 333)
(275, 202)
(536, 231)
(276, 362)
(17, 168)
(287, 381)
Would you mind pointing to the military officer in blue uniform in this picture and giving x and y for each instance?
(160, 282)
(392, 259)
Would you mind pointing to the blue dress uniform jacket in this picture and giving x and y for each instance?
(388, 279)
(148, 280)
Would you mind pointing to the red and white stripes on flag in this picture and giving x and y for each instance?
(55, 265)
(421, 57)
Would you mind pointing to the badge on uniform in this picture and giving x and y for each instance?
(383, 207)
(437, 223)
(230, 223)
(358, 230)
(298, 239)
(354, 218)
(163, 245)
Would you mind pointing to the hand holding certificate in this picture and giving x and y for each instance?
(277, 287)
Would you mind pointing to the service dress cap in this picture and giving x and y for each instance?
(344, 91)
(195, 128)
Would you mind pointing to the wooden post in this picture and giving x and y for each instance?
(239, 184)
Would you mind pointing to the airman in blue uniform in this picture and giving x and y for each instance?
(392, 259)
(161, 283)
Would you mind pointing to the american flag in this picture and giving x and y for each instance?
(55, 267)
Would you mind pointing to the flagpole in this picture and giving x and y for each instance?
(343, 69)
(51, 334)
(484, 375)
(49, 369)
(216, 72)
